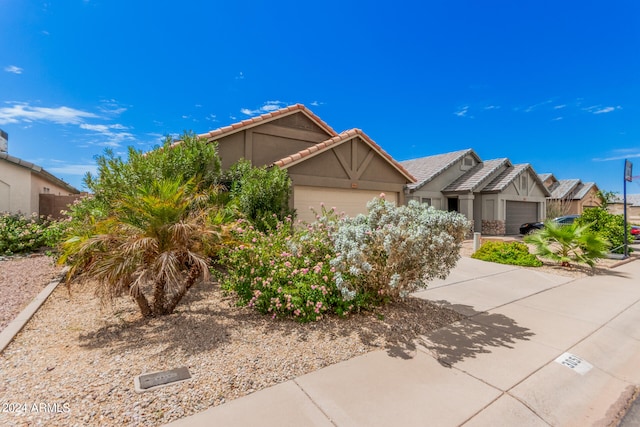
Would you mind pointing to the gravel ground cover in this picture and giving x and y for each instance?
(75, 361)
(21, 279)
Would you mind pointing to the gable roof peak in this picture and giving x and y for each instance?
(267, 117)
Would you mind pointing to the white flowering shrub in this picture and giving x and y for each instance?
(394, 251)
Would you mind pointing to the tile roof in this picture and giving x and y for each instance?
(564, 189)
(544, 176)
(478, 175)
(509, 175)
(632, 199)
(38, 170)
(337, 140)
(265, 118)
(583, 189)
(426, 169)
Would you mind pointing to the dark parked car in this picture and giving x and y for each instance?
(529, 227)
(635, 232)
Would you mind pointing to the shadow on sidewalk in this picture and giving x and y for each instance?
(477, 334)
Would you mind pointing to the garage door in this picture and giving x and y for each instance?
(518, 213)
(352, 202)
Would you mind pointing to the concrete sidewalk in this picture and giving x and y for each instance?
(534, 350)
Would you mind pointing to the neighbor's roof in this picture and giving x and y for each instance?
(545, 176)
(265, 118)
(632, 199)
(509, 175)
(38, 170)
(426, 169)
(341, 138)
(478, 175)
(583, 189)
(564, 189)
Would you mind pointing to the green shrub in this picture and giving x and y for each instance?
(609, 226)
(395, 250)
(20, 234)
(261, 194)
(512, 253)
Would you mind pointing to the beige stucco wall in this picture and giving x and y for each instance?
(16, 196)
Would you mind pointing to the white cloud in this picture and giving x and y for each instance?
(606, 110)
(110, 135)
(462, 112)
(492, 107)
(612, 158)
(74, 169)
(317, 103)
(111, 107)
(556, 119)
(13, 69)
(212, 118)
(534, 106)
(266, 108)
(240, 76)
(558, 107)
(21, 112)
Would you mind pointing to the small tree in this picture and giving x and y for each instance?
(153, 246)
(261, 194)
(568, 243)
(558, 207)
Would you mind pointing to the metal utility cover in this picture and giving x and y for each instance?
(154, 380)
(574, 363)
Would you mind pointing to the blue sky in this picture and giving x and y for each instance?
(551, 83)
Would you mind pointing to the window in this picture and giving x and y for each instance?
(524, 182)
(427, 200)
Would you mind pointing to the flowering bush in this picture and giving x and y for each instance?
(285, 272)
(19, 233)
(341, 265)
(394, 251)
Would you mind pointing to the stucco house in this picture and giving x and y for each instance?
(495, 195)
(25, 187)
(633, 207)
(571, 196)
(343, 170)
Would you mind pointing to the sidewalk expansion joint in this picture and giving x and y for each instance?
(314, 402)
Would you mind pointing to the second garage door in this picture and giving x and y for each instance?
(352, 202)
(518, 213)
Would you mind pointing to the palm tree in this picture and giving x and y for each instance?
(567, 243)
(153, 246)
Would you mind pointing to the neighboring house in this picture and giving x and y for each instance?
(572, 196)
(343, 170)
(495, 195)
(27, 188)
(633, 207)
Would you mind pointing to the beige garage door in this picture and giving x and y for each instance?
(352, 202)
(518, 213)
